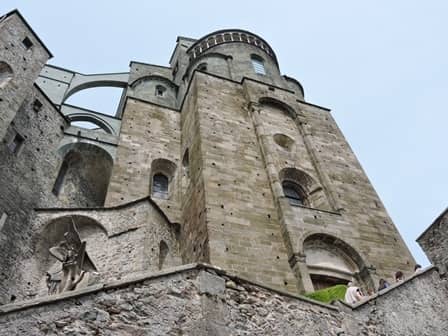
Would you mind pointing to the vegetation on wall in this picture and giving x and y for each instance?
(328, 294)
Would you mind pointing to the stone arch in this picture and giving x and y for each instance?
(84, 175)
(216, 64)
(93, 118)
(6, 74)
(82, 82)
(269, 101)
(154, 77)
(52, 233)
(202, 66)
(146, 88)
(295, 85)
(313, 192)
(166, 168)
(330, 260)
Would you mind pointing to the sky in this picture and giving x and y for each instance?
(380, 66)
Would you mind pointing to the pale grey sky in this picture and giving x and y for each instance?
(381, 66)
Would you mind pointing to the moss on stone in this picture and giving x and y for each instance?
(328, 294)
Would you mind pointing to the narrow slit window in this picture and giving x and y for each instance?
(186, 163)
(3, 219)
(163, 252)
(16, 144)
(60, 179)
(258, 65)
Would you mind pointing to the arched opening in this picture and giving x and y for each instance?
(278, 105)
(84, 175)
(87, 125)
(78, 233)
(160, 186)
(162, 172)
(308, 190)
(90, 122)
(154, 88)
(100, 99)
(6, 74)
(163, 253)
(202, 67)
(331, 261)
(294, 193)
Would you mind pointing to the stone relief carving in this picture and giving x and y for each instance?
(76, 266)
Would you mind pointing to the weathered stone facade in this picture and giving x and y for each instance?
(218, 159)
(202, 300)
(434, 241)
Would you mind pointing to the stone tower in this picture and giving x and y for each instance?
(217, 158)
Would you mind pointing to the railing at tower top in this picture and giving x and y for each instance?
(229, 36)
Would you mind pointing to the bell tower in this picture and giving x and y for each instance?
(262, 182)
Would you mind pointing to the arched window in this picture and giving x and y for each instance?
(163, 252)
(294, 193)
(5, 74)
(160, 90)
(202, 67)
(160, 185)
(258, 64)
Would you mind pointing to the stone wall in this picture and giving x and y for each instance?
(191, 302)
(114, 236)
(203, 300)
(148, 132)
(24, 61)
(244, 234)
(434, 241)
(194, 234)
(416, 307)
(339, 184)
(26, 178)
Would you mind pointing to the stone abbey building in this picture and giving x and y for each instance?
(206, 205)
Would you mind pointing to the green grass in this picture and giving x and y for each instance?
(328, 294)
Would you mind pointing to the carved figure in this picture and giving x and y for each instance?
(76, 264)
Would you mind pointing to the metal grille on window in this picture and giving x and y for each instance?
(258, 65)
(293, 193)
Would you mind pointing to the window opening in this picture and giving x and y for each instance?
(202, 67)
(3, 219)
(160, 91)
(60, 179)
(293, 193)
(16, 144)
(258, 65)
(186, 163)
(37, 106)
(5, 74)
(176, 68)
(163, 252)
(27, 43)
(160, 185)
